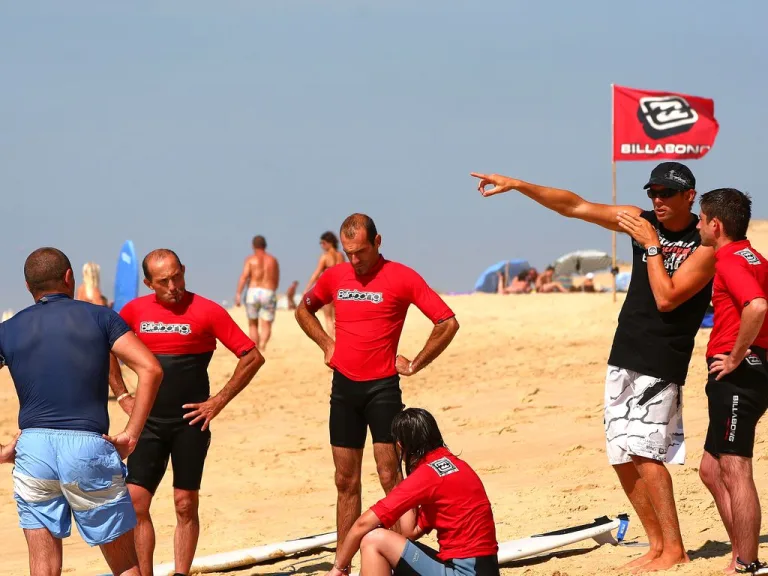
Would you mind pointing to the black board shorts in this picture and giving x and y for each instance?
(736, 403)
(161, 439)
(357, 406)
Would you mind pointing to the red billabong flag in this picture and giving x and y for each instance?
(651, 125)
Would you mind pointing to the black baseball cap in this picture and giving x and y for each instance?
(672, 175)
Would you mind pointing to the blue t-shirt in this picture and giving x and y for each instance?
(58, 355)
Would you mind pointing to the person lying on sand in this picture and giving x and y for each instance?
(520, 284)
(546, 282)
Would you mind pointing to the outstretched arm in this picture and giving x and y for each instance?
(693, 275)
(564, 202)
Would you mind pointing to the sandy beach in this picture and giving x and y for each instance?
(518, 394)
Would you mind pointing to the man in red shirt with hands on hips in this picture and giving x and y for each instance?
(371, 296)
(737, 390)
(181, 329)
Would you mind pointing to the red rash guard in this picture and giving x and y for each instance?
(451, 499)
(741, 275)
(370, 312)
(183, 337)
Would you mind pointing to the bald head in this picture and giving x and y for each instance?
(357, 221)
(45, 270)
(155, 256)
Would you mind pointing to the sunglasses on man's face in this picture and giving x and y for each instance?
(662, 193)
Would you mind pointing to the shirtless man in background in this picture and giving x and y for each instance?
(329, 258)
(262, 273)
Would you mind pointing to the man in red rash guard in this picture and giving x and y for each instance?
(737, 389)
(371, 296)
(181, 329)
(440, 492)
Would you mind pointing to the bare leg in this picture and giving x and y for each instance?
(265, 331)
(120, 555)
(637, 492)
(45, 555)
(388, 469)
(348, 463)
(187, 503)
(659, 487)
(144, 533)
(253, 331)
(737, 477)
(380, 551)
(710, 474)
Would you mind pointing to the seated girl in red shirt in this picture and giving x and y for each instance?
(440, 492)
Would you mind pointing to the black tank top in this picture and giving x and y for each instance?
(650, 342)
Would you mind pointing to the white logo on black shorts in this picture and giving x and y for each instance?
(753, 360)
(443, 467)
(663, 116)
(357, 296)
(749, 256)
(162, 328)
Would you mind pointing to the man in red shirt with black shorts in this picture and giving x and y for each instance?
(737, 389)
(181, 329)
(371, 296)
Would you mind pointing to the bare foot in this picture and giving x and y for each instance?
(731, 569)
(663, 562)
(649, 556)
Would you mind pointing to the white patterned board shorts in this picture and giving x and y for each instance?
(643, 417)
(261, 304)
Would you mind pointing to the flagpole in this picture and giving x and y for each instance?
(613, 175)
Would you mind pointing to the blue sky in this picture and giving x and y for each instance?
(196, 125)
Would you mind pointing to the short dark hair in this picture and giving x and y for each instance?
(523, 275)
(259, 242)
(45, 269)
(354, 222)
(732, 207)
(417, 431)
(330, 237)
(156, 255)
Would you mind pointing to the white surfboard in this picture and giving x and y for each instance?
(250, 556)
(599, 530)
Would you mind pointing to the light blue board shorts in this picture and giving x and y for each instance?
(59, 473)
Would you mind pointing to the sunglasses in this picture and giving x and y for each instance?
(663, 193)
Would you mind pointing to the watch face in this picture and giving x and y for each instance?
(652, 251)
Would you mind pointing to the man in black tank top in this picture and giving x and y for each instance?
(669, 292)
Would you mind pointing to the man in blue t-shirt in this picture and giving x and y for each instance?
(66, 464)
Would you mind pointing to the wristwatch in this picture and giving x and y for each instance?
(653, 250)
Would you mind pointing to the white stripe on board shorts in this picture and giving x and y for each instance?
(643, 417)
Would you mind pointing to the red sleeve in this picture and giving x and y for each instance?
(228, 332)
(426, 299)
(410, 493)
(128, 313)
(739, 281)
(322, 292)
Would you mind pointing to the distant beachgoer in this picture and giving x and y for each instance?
(521, 284)
(261, 272)
(290, 294)
(546, 282)
(89, 290)
(328, 259)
